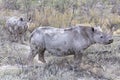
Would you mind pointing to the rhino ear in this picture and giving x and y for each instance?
(93, 29)
(21, 19)
(29, 19)
(98, 28)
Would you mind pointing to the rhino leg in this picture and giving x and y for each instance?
(22, 41)
(23, 38)
(33, 52)
(12, 38)
(77, 60)
(41, 56)
(31, 56)
(15, 37)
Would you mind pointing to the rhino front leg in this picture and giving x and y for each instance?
(15, 37)
(23, 38)
(77, 60)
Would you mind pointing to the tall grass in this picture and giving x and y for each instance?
(65, 13)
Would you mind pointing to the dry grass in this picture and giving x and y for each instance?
(98, 63)
(50, 16)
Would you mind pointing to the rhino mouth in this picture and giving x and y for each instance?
(109, 42)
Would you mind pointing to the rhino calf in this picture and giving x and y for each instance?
(16, 29)
(63, 42)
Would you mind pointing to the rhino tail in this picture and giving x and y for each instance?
(31, 35)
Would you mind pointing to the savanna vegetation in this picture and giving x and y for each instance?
(99, 62)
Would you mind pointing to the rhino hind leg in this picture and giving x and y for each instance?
(34, 51)
(41, 56)
(31, 56)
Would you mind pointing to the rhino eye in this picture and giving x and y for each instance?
(101, 36)
(21, 19)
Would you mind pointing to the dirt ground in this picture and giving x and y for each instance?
(99, 62)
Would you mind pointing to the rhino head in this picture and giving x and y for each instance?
(100, 37)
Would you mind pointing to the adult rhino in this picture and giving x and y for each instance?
(63, 42)
(16, 28)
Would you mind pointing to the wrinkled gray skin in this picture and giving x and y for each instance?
(16, 29)
(63, 42)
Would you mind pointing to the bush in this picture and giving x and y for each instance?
(11, 4)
